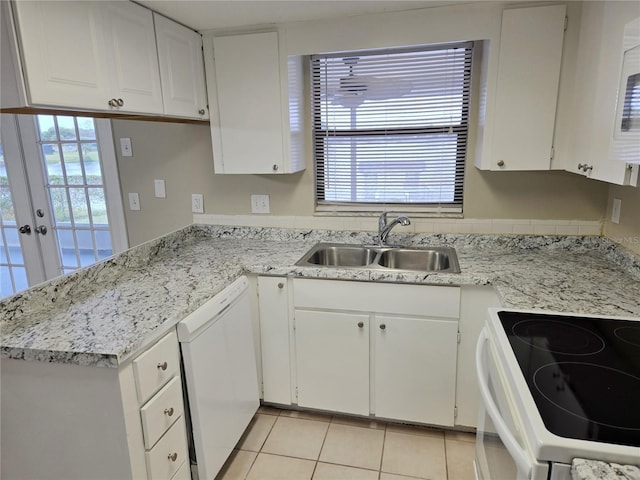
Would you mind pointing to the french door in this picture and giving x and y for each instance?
(60, 201)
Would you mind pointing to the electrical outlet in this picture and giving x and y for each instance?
(159, 188)
(260, 204)
(125, 147)
(615, 211)
(134, 201)
(197, 203)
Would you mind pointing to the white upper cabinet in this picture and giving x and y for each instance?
(63, 54)
(597, 85)
(250, 90)
(131, 57)
(181, 69)
(107, 56)
(528, 76)
(89, 55)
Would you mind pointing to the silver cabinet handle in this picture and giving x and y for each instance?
(275, 167)
(113, 102)
(501, 163)
(120, 102)
(382, 326)
(41, 229)
(280, 285)
(168, 411)
(25, 229)
(201, 111)
(360, 324)
(172, 456)
(162, 366)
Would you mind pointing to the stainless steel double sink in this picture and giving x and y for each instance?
(341, 255)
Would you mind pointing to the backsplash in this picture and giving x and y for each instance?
(418, 225)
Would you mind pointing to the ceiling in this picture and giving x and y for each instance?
(220, 14)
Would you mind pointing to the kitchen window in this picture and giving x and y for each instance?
(390, 128)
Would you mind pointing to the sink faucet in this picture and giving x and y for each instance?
(385, 228)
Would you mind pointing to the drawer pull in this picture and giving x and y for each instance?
(162, 366)
(172, 456)
(382, 326)
(168, 411)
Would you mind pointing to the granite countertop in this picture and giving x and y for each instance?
(582, 469)
(105, 314)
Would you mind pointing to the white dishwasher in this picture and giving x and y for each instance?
(220, 374)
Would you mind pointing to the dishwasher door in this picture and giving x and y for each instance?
(218, 356)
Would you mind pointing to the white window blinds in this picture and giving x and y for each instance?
(390, 127)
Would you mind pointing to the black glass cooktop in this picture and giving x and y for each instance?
(583, 373)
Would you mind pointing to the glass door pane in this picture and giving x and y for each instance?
(75, 185)
(13, 273)
(60, 208)
(20, 255)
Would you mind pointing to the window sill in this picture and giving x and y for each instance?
(376, 210)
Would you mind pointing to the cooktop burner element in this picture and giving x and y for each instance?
(556, 382)
(583, 373)
(558, 337)
(629, 334)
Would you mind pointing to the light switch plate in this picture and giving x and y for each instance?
(159, 189)
(197, 204)
(615, 211)
(125, 147)
(134, 201)
(260, 204)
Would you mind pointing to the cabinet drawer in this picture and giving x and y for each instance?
(156, 366)
(399, 299)
(159, 413)
(168, 455)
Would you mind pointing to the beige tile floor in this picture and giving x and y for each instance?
(291, 445)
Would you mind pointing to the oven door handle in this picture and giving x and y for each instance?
(513, 447)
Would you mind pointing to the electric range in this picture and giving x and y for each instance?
(583, 373)
(561, 386)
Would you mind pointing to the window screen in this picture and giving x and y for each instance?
(390, 127)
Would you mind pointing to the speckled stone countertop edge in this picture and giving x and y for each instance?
(584, 469)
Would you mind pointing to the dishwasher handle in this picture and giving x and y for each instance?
(513, 447)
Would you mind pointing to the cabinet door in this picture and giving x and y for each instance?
(181, 69)
(332, 360)
(415, 369)
(249, 106)
(62, 52)
(527, 90)
(597, 81)
(131, 56)
(274, 339)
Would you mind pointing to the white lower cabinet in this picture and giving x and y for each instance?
(373, 348)
(275, 339)
(415, 369)
(100, 423)
(332, 361)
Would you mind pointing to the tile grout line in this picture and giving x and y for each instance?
(446, 459)
(262, 445)
(315, 467)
